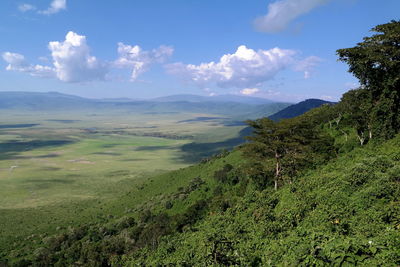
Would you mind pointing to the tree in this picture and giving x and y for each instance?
(267, 141)
(290, 144)
(357, 106)
(376, 63)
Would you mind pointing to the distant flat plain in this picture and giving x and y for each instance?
(53, 165)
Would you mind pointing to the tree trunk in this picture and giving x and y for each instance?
(338, 119)
(277, 170)
(361, 138)
(345, 135)
(370, 131)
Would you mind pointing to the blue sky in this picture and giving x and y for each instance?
(282, 50)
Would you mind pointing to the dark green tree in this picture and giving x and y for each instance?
(357, 106)
(267, 142)
(287, 146)
(376, 63)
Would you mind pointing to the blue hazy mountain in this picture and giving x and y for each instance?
(298, 109)
(229, 105)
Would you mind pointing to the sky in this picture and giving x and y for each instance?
(283, 50)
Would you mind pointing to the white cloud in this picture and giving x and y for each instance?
(249, 91)
(17, 62)
(73, 62)
(282, 12)
(26, 7)
(14, 60)
(139, 60)
(246, 68)
(307, 65)
(55, 7)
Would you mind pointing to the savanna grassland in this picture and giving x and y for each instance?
(59, 169)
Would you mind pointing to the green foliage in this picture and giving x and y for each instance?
(376, 63)
(293, 144)
(357, 105)
(222, 175)
(344, 213)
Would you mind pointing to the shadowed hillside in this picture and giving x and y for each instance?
(298, 109)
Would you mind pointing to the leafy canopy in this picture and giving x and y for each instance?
(376, 63)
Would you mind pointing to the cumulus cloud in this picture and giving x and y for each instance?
(249, 91)
(307, 65)
(26, 7)
(246, 68)
(55, 7)
(139, 60)
(71, 58)
(17, 62)
(243, 69)
(282, 12)
(73, 62)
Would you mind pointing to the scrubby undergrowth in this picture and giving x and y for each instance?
(346, 212)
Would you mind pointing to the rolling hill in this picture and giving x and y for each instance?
(298, 109)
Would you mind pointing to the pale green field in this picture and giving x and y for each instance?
(65, 157)
(59, 170)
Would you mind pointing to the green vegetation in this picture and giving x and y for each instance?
(344, 213)
(376, 63)
(319, 189)
(292, 144)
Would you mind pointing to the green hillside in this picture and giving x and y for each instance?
(344, 213)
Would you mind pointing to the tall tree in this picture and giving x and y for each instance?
(267, 142)
(291, 143)
(376, 63)
(357, 106)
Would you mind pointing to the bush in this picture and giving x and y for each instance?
(169, 205)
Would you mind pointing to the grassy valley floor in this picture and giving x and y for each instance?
(61, 170)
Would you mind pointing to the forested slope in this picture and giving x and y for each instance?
(344, 212)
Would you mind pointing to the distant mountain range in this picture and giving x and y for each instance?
(298, 109)
(237, 107)
(218, 98)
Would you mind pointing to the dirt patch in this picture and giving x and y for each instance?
(81, 161)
